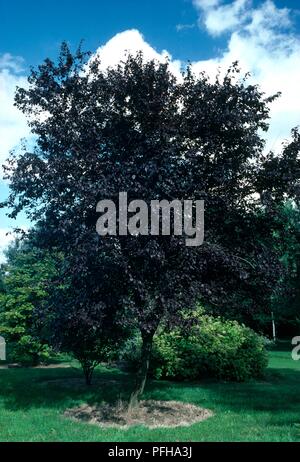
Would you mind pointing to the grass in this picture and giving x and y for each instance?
(31, 406)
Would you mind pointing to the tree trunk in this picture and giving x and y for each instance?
(143, 370)
(88, 377)
(88, 373)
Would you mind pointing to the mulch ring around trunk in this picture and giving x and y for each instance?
(150, 413)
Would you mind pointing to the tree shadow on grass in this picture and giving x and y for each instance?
(27, 388)
(278, 393)
(32, 388)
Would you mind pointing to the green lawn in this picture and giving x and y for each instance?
(31, 408)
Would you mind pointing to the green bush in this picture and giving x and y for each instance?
(28, 351)
(214, 347)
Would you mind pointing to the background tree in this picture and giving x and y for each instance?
(285, 304)
(39, 310)
(135, 128)
(25, 280)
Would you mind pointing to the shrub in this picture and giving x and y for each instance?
(28, 351)
(213, 347)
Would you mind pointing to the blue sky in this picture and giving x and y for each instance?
(263, 35)
(35, 29)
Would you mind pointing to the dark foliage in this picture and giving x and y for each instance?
(135, 128)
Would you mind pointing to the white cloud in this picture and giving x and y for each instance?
(206, 4)
(12, 122)
(6, 237)
(180, 27)
(132, 41)
(8, 61)
(263, 41)
(219, 18)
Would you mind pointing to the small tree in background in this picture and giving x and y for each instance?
(82, 319)
(25, 290)
(135, 128)
(89, 335)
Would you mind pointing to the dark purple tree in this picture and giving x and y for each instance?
(135, 128)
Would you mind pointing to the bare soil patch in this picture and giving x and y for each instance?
(150, 413)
